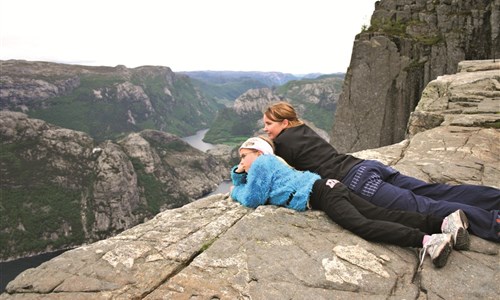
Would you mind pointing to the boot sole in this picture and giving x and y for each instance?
(440, 260)
(462, 240)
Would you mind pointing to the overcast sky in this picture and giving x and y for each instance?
(291, 36)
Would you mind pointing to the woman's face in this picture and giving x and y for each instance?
(247, 156)
(272, 128)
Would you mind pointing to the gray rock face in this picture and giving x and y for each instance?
(254, 100)
(215, 248)
(468, 98)
(408, 44)
(93, 190)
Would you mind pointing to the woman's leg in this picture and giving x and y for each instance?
(482, 222)
(368, 183)
(335, 202)
(365, 178)
(485, 197)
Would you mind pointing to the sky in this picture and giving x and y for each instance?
(289, 36)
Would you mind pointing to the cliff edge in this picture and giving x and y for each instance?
(215, 248)
(407, 45)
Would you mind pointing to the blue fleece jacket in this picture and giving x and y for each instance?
(271, 181)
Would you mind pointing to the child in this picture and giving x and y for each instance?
(263, 178)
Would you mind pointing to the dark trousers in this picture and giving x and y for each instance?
(386, 187)
(371, 222)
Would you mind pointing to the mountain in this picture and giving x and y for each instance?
(221, 77)
(314, 99)
(61, 188)
(105, 102)
(226, 86)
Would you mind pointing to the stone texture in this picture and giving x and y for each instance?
(407, 45)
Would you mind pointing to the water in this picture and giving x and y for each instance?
(197, 142)
(10, 269)
(222, 188)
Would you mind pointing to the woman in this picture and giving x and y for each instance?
(263, 178)
(383, 186)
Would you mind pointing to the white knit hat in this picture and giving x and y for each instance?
(257, 143)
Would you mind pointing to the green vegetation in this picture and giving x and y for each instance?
(494, 124)
(227, 92)
(399, 28)
(429, 40)
(93, 107)
(231, 128)
(37, 212)
(389, 27)
(322, 118)
(207, 245)
(80, 110)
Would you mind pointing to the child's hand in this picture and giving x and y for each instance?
(240, 169)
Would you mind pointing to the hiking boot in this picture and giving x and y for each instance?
(456, 224)
(438, 247)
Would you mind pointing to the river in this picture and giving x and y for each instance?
(196, 141)
(9, 270)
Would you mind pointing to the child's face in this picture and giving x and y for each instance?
(247, 156)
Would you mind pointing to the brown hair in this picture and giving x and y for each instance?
(281, 111)
(268, 140)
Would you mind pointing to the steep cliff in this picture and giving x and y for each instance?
(215, 248)
(408, 44)
(61, 188)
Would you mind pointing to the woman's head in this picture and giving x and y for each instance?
(278, 117)
(253, 148)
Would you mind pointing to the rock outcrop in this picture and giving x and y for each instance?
(61, 188)
(407, 45)
(215, 248)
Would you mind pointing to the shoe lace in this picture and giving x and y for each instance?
(423, 251)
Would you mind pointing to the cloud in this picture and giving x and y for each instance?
(288, 36)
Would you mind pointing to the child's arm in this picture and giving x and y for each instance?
(255, 191)
(238, 178)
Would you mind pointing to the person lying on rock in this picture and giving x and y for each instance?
(305, 150)
(263, 178)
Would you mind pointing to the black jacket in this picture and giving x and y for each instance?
(304, 149)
